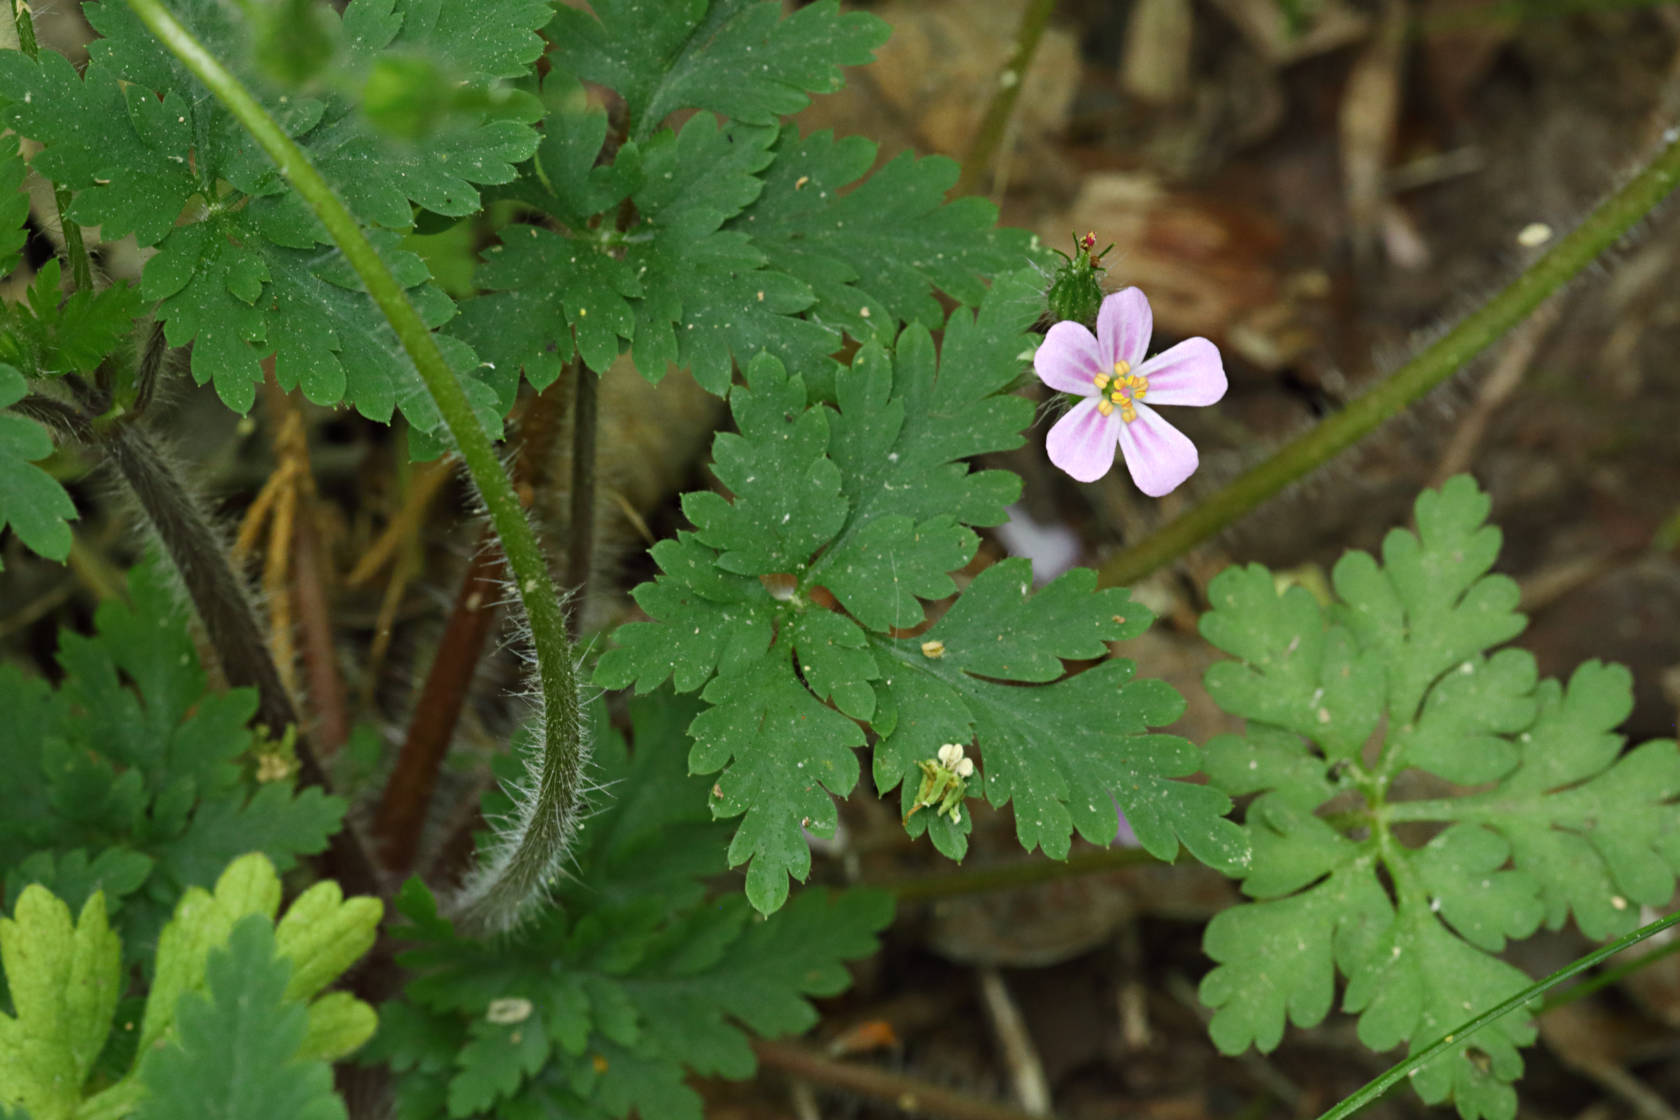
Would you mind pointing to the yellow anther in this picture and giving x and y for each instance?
(1122, 368)
(1117, 396)
(1127, 412)
(1105, 406)
(1100, 381)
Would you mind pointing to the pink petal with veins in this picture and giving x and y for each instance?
(1124, 325)
(1082, 442)
(1189, 373)
(1068, 359)
(1159, 456)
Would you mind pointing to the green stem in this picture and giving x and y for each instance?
(1610, 976)
(989, 136)
(81, 271)
(528, 861)
(1601, 229)
(1398, 1073)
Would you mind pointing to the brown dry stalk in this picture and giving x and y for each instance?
(405, 525)
(910, 1095)
(398, 547)
(294, 575)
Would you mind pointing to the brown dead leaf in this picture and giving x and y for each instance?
(931, 82)
(1206, 267)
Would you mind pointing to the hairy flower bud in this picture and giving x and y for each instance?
(1076, 288)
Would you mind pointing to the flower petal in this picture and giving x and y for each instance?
(1189, 373)
(1123, 328)
(1068, 359)
(1158, 454)
(1082, 442)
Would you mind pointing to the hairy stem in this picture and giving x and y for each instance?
(215, 589)
(81, 270)
(989, 136)
(437, 707)
(1601, 229)
(494, 900)
(580, 551)
(218, 596)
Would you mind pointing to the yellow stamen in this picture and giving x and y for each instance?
(1128, 388)
(1100, 381)
(1105, 406)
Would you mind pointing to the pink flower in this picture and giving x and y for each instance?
(1110, 372)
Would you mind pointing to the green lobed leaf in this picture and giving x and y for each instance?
(64, 979)
(873, 249)
(685, 293)
(73, 877)
(605, 1002)
(1399, 675)
(870, 500)
(1432, 605)
(746, 239)
(321, 935)
(1063, 752)
(14, 208)
(234, 1055)
(784, 754)
(551, 280)
(1418, 982)
(738, 58)
(1592, 824)
(1277, 959)
(132, 759)
(240, 273)
(32, 501)
(568, 178)
(710, 299)
(50, 334)
(103, 141)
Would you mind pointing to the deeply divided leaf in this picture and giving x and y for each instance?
(240, 270)
(32, 501)
(634, 979)
(788, 604)
(1398, 677)
(738, 58)
(133, 777)
(235, 1054)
